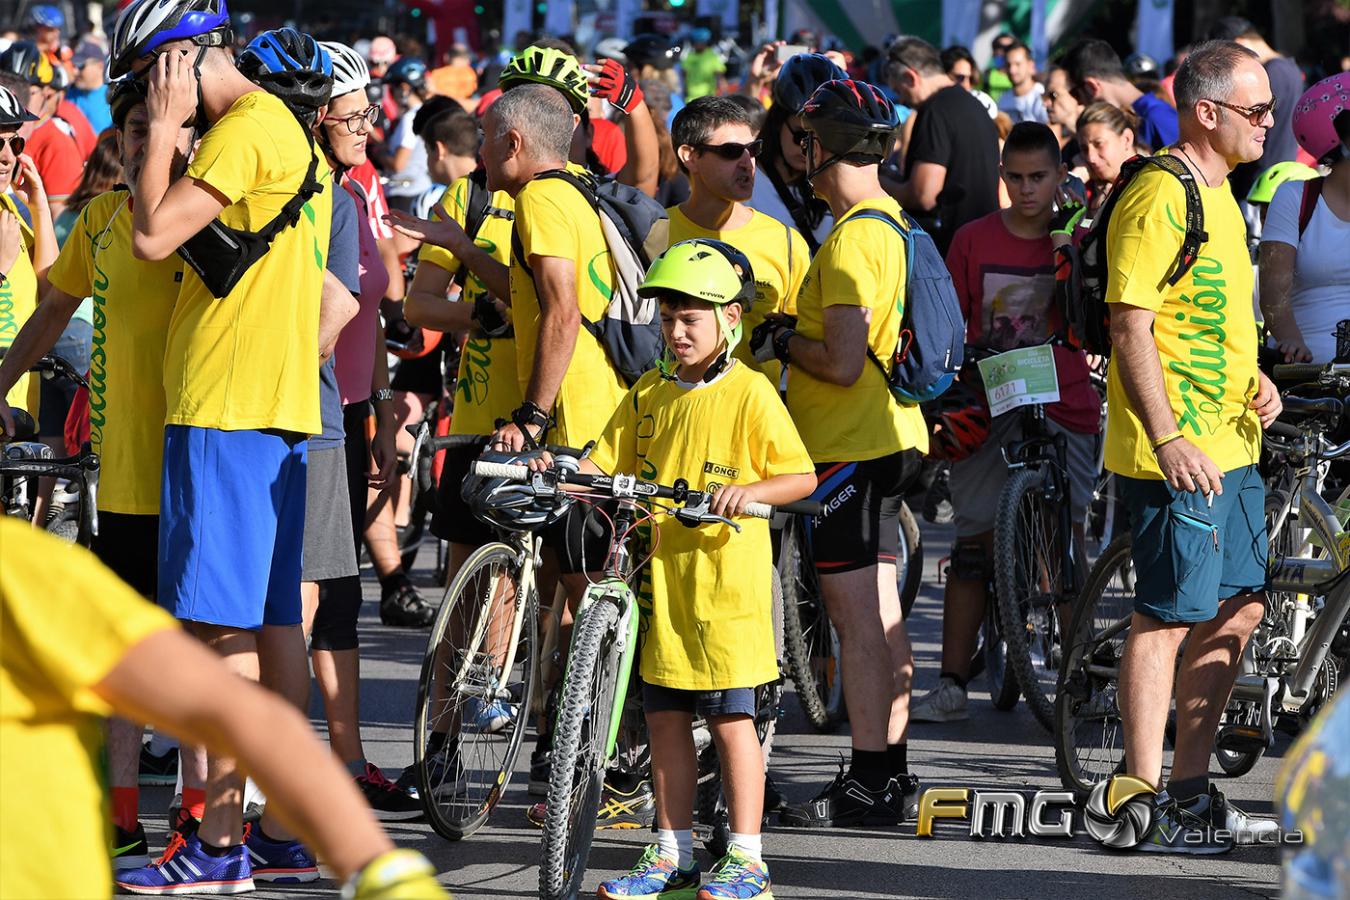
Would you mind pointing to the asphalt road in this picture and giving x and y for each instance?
(993, 750)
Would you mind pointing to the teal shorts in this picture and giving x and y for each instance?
(1188, 555)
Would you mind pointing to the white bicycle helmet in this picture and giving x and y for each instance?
(148, 24)
(12, 110)
(350, 72)
(511, 505)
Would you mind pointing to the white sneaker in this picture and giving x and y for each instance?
(944, 703)
(1248, 830)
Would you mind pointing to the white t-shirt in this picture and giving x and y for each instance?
(1027, 108)
(412, 180)
(1320, 296)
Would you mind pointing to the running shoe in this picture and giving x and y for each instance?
(130, 849)
(737, 877)
(444, 772)
(488, 718)
(654, 876)
(944, 703)
(626, 809)
(281, 861)
(1186, 828)
(403, 607)
(158, 769)
(185, 869)
(845, 802)
(388, 802)
(1247, 830)
(541, 768)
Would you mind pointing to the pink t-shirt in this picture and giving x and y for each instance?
(354, 356)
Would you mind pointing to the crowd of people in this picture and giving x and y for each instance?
(236, 239)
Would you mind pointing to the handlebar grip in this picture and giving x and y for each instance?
(447, 441)
(500, 470)
(25, 429)
(797, 507)
(1284, 430)
(1297, 371)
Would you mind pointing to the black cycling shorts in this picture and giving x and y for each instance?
(421, 375)
(581, 547)
(859, 525)
(453, 520)
(129, 545)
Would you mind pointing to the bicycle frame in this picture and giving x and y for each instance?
(527, 546)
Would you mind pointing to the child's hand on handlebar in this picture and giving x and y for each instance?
(732, 499)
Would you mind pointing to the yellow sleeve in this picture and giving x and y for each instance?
(1143, 239)
(616, 449)
(67, 615)
(850, 274)
(775, 445)
(235, 157)
(799, 255)
(73, 271)
(453, 205)
(546, 216)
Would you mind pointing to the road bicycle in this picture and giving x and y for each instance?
(1294, 659)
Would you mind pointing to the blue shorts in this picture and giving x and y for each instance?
(729, 702)
(1189, 556)
(231, 526)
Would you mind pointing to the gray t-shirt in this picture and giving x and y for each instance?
(344, 258)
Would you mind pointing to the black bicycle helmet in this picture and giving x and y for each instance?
(1140, 65)
(509, 504)
(23, 58)
(652, 50)
(851, 119)
(407, 70)
(290, 65)
(800, 76)
(123, 95)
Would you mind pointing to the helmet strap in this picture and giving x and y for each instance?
(731, 336)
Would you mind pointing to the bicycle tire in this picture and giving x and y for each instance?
(1003, 687)
(808, 635)
(577, 773)
(1085, 703)
(456, 816)
(910, 576)
(1027, 524)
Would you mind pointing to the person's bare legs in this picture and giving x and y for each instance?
(675, 768)
(742, 771)
(408, 409)
(338, 673)
(854, 607)
(1145, 691)
(223, 821)
(964, 603)
(283, 667)
(900, 653)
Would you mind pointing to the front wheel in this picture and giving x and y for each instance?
(580, 735)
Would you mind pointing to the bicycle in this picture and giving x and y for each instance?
(1292, 661)
(600, 660)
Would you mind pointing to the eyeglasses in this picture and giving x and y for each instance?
(1050, 96)
(1255, 114)
(798, 135)
(731, 150)
(14, 143)
(961, 77)
(367, 115)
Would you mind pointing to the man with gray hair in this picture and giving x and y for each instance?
(1185, 408)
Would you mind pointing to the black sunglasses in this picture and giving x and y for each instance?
(1255, 114)
(14, 142)
(732, 150)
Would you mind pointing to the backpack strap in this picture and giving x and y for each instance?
(290, 213)
(1312, 189)
(477, 209)
(1195, 236)
(905, 337)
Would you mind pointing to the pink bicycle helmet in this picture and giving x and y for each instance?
(1315, 115)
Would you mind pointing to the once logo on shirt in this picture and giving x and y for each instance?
(712, 468)
(1203, 357)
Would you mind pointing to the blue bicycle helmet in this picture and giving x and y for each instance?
(800, 76)
(46, 17)
(291, 65)
(146, 25)
(407, 70)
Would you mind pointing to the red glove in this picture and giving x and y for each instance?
(618, 86)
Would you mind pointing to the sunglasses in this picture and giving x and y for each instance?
(961, 78)
(1255, 114)
(353, 122)
(1050, 96)
(14, 142)
(731, 150)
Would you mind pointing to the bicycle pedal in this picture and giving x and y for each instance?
(1241, 739)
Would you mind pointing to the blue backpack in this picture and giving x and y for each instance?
(931, 344)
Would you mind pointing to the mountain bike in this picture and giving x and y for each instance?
(600, 659)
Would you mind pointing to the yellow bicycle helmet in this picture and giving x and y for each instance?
(708, 270)
(1263, 189)
(546, 65)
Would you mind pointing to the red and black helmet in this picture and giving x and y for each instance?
(851, 118)
(958, 423)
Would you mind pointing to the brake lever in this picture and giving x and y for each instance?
(698, 511)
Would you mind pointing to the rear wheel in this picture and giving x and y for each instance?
(909, 575)
(810, 641)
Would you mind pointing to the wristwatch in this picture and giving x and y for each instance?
(383, 394)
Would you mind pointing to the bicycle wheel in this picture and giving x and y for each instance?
(1029, 580)
(1003, 687)
(462, 674)
(1089, 738)
(810, 641)
(910, 573)
(579, 752)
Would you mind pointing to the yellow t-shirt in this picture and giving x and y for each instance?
(707, 591)
(133, 300)
(860, 264)
(486, 388)
(779, 257)
(18, 299)
(554, 219)
(1205, 329)
(250, 360)
(65, 623)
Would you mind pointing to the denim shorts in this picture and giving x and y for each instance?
(728, 702)
(1188, 555)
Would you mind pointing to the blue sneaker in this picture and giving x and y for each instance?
(654, 876)
(489, 718)
(284, 861)
(185, 869)
(737, 877)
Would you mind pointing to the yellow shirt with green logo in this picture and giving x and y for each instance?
(1204, 329)
(707, 591)
(486, 388)
(251, 360)
(18, 299)
(860, 263)
(65, 623)
(554, 219)
(779, 257)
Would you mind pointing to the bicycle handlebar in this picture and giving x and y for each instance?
(1308, 371)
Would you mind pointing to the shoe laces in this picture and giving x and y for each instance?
(176, 842)
(373, 775)
(733, 867)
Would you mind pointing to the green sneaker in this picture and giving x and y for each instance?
(654, 876)
(737, 877)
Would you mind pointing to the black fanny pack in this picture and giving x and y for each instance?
(221, 255)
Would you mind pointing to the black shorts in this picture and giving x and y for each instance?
(354, 419)
(581, 547)
(421, 375)
(129, 545)
(453, 520)
(859, 525)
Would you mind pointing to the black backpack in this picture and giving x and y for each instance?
(1080, 284)
(477, 208)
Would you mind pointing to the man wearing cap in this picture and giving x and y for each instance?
(89, 93)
